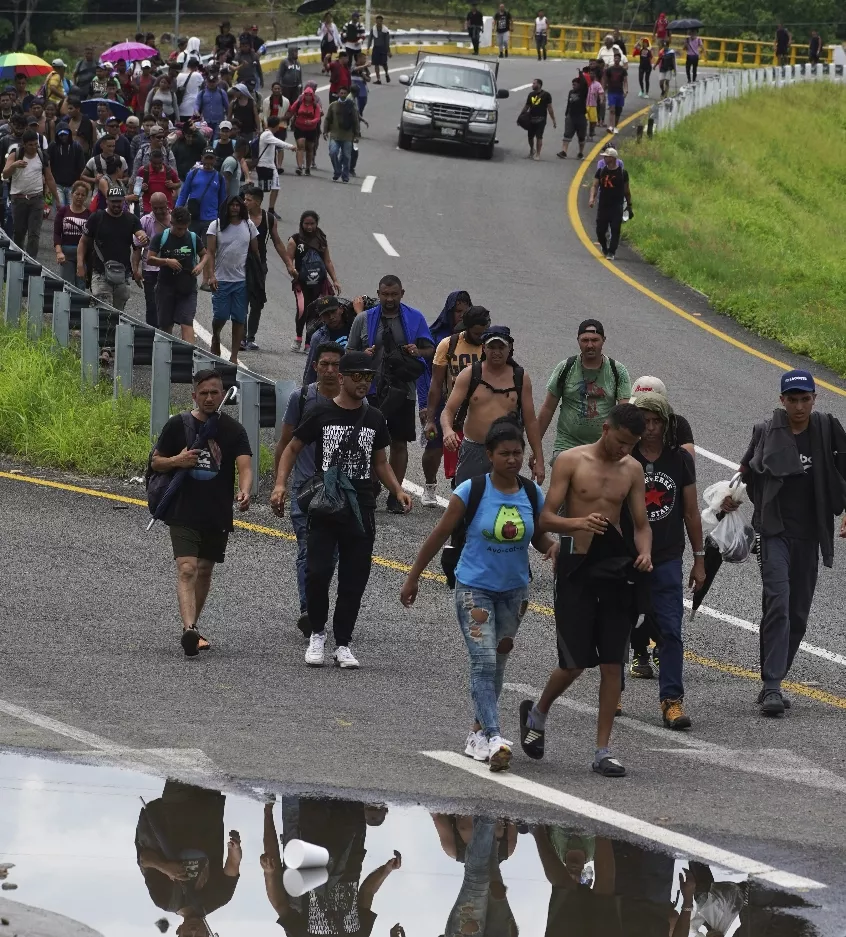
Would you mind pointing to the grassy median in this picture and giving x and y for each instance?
(744, 202)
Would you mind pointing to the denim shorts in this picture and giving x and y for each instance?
(229, 301)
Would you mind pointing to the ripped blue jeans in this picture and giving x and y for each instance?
(489, 622)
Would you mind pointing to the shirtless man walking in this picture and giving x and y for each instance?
(594, 594)
(493, 387)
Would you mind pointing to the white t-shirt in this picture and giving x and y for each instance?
(30, 179)
(268, 144)
(541, 25)
(230, 257)
(191, 82)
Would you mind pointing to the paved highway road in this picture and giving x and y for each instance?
(92, 623)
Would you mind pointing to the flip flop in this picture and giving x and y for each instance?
(531, 740)
(609, 767)
(190, 642)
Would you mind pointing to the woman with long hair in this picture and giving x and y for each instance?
(164, 93)
(311, 269)
(229, 239)
(330, 40)
(498, 512)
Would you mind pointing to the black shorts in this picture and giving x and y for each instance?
(204, 544)
(308, 135)
(402, 423)
(175, 308)
(593, 618)
(380, 57)
(536, 130)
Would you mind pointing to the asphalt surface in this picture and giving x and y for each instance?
(91, 617)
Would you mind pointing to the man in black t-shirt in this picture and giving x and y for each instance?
(502, 25)
(671, 507)
(575, 119)
(474, 23)
(108, 236)
(782, 44)
(179, 254)
(200, 514)
(538, 105)
(350, 532)
(795, 474)
(611, 184)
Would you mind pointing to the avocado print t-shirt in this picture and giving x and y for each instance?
(496, 554)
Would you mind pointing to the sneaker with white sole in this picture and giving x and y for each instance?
(429, 499)
(477, 746)
(499, 753)
(344, 659)
(316, 652)
(296, 346)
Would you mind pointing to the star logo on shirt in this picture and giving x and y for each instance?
(654, 496)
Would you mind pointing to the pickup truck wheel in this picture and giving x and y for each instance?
(486, 151)
(404, 141)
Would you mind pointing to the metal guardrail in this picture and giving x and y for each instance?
(33, 291)
(585, 42)
(399, 37)
(667, 114)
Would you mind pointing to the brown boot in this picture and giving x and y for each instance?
(674, 715)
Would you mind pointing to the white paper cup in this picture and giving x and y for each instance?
(302, 855)
(299, 881)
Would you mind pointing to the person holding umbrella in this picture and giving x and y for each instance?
(672, 506)
(205, 447)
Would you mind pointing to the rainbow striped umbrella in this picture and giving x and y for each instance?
(15, 63)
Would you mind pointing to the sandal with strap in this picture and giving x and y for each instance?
(193, 642)
(609, 767)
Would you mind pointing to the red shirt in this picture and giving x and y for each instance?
(156, 183)
(661, 28)
(339, 77)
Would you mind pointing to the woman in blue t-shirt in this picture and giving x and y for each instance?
(492, 576)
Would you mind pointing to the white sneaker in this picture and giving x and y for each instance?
(477, 746)
(429, 499)
(499, 753)
(344, 659)
(296, 347)
(315, 654)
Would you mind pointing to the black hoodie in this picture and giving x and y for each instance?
(66, 160)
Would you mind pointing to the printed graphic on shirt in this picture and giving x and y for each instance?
(208, 462)
(355, 464)
(509, 526)
(807, 462)
(660, 496)
(589, 393)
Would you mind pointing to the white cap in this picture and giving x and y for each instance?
(609, 151)
(224, 125)
(146, 63)
(648, 385)
(58, 63)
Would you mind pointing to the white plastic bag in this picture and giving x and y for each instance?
(714, 495)
(733, 537)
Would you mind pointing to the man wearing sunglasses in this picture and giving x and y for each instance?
(355, 442)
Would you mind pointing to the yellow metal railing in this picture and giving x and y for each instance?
(584, 42)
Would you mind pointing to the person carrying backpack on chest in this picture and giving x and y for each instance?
(311, 270)
(587, 386)
(498, 512)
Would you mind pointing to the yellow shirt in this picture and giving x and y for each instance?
(54, 89)
(463, 356)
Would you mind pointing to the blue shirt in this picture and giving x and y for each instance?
(209, 187)
(496, 554)
(304, 466)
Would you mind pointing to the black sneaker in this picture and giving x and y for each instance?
(532, 740)
(641, 667)
(394, 506)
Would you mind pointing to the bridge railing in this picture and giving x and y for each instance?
(700, 94)
(32, 292)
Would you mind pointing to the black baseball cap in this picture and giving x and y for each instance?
(356, 361)
(498, 333)
(115, 191)
(326, 304)
(591, 325)
(208, 151)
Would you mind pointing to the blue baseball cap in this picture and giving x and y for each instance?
(497, 333)
(798, 381)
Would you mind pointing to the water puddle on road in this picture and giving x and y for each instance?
(87, 851)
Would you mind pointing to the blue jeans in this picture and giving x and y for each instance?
(64, 196)
(668, 610)
(470, 912)
(489, 637)
(340, 152)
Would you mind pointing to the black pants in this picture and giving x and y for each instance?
(540, 45)
(28, 214)
(475, 34)
(691, 67)
(643, 76)
(609, 216)
(355, 549)
(254, 319)
(150, 277)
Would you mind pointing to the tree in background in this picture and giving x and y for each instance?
(24, 24)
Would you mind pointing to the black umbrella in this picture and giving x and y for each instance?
(713, 562)
(315, 6)
(685, 24)
(89, 108)
(207, 430)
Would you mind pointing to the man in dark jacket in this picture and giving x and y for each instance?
(67, 162)
(795, 474)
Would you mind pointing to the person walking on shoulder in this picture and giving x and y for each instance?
(499, 511)
(611, 183)
(200, 515)
(379, 46)
(795, 475)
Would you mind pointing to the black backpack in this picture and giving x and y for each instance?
(475, 380)
(156, 482)
(312, 268)
(568, 367)
(451, 553)
(351, 33)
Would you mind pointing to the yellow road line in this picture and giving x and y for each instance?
(821, 696)
(579, 228)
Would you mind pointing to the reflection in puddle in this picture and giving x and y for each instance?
(124, 853)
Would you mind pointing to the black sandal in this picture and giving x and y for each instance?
(609, 767)
(191, 639)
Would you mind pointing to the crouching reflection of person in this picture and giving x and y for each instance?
(342, 906)
(180, 845)
(481, 843)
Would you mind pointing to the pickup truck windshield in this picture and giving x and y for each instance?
(455, 78)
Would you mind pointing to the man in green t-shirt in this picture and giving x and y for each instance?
(588, 386)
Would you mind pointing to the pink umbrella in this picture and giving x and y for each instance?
(131, 51)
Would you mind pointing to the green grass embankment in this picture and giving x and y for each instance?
(745, 202)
